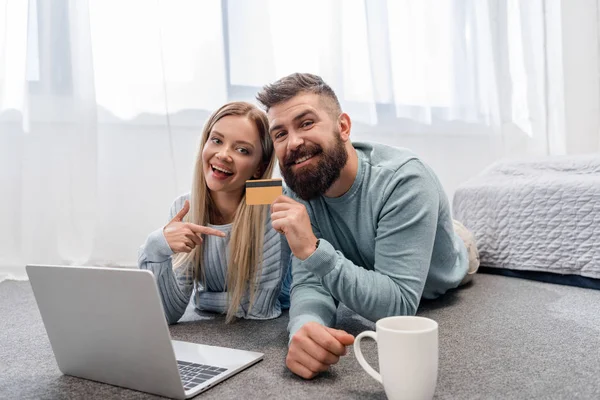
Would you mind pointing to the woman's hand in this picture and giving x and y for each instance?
(182, 237)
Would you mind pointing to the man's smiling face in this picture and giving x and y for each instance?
(307, 143)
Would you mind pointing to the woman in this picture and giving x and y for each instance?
(214, 243)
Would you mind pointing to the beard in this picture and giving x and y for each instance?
(311, 181)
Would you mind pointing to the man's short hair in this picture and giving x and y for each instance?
(298, 83)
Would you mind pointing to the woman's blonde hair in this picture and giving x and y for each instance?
(246, 245)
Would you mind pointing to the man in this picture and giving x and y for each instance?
(368, 225)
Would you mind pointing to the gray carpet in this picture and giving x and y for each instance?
(500, 338)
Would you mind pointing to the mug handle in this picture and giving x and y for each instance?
(359, 356)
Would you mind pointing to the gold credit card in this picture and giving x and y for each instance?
(263, 191)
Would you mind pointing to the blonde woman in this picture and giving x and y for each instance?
(215, 246)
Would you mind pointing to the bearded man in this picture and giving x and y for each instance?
(369, 225)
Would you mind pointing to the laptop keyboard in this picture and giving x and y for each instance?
(193, 374)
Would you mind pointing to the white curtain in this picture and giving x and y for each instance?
(102, 101)
(48, 139)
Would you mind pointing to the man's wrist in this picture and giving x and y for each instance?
(309, 250)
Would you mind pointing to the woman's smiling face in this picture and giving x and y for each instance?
(232, 154)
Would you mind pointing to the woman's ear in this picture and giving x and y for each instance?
(258, 173)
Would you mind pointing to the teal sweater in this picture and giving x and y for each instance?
(384, 244)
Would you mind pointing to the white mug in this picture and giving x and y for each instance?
(408, 356)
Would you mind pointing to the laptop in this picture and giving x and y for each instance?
(108, 325)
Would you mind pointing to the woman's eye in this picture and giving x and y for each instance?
(216, 140)
(243, 151)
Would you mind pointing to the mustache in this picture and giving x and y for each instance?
(292, 156)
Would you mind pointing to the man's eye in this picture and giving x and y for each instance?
(280, 134)
(306, 124)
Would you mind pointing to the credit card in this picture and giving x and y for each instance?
(263, 191)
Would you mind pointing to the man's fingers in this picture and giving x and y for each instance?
(278, 225)
(323, 337)
(312, 364)
(205, 230)
(275, 207)
(312, 348)
(182, 212)
(342, 337)
(282, 221)
(319, 353)
(299, 369)
(278, 215)
(284, 199)
(309, 362)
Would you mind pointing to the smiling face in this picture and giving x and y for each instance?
(231, 155)
(307, 143)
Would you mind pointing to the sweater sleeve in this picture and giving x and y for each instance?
(310, 300)
(175, 287)
(405, 235)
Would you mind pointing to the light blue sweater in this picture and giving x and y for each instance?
(384, 244)
(176, 287)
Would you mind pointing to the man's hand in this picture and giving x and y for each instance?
(314, 348)
(182, 237)
(291, 218)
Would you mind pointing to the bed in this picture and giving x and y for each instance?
(536, 217)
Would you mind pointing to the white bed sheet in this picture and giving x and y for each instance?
(541, 215)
